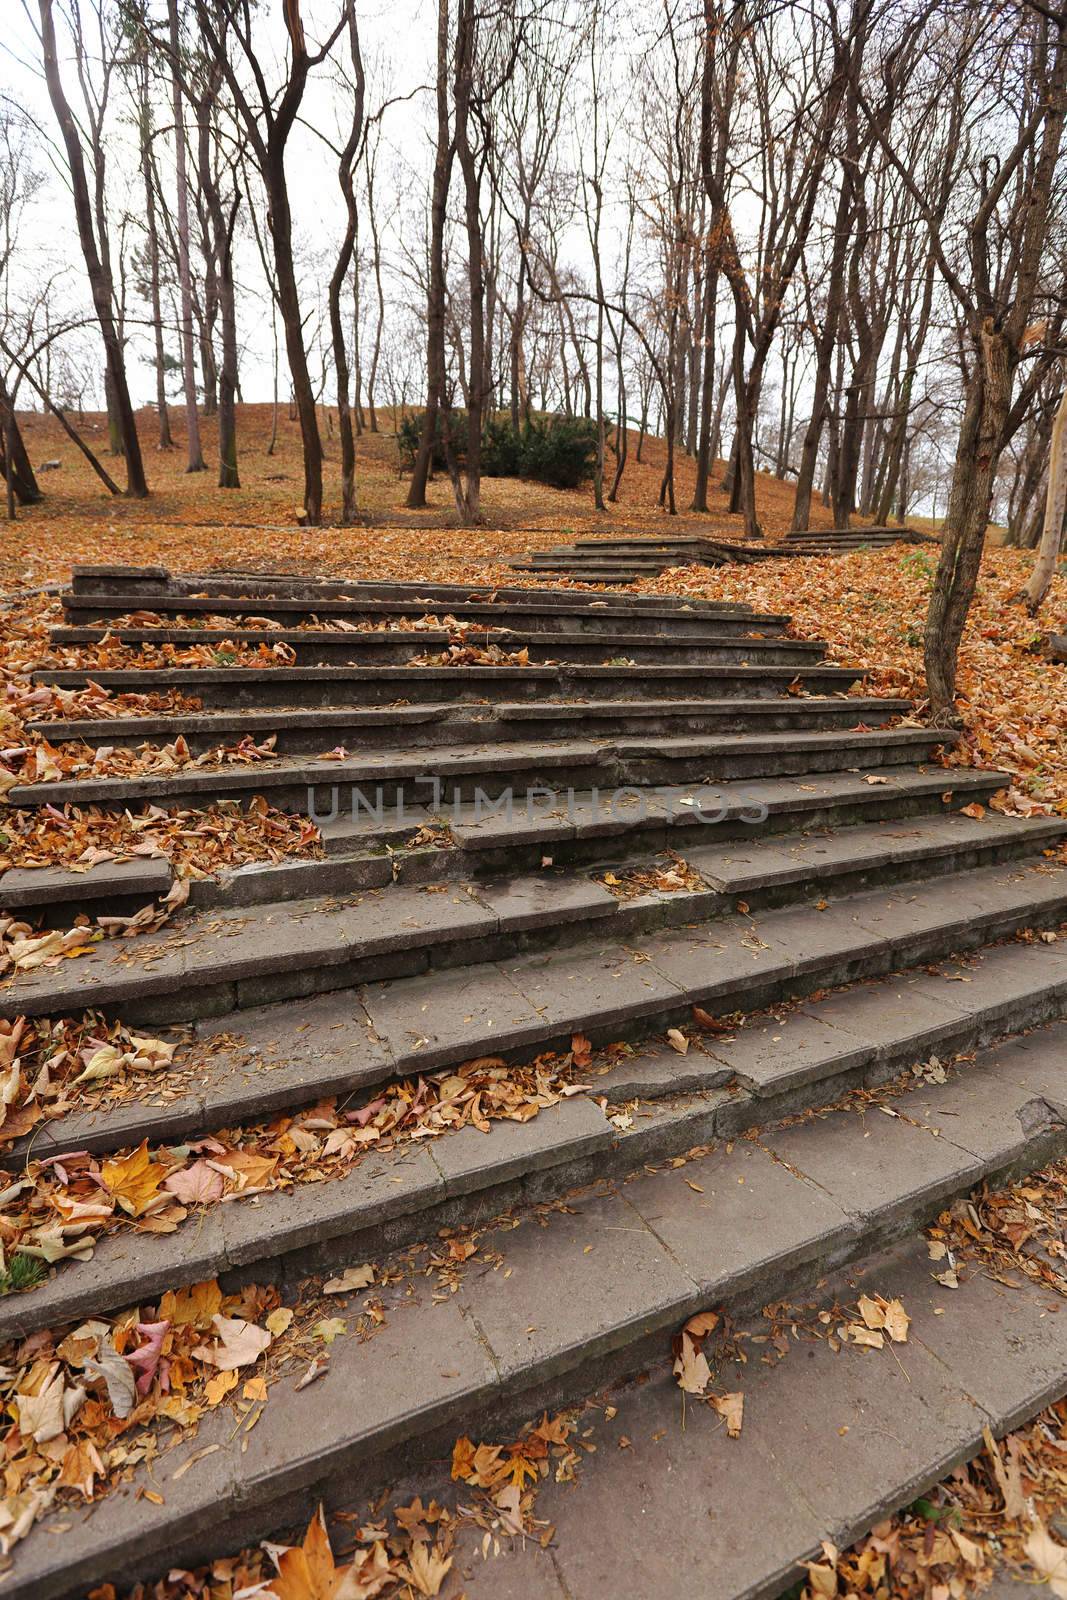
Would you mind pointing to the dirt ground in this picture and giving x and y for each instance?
(178, 526)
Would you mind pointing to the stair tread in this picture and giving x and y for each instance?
(348, 1038)
(429, 711)
(379, 765)
(831, 1446)
(227, 945)
(586, 1287)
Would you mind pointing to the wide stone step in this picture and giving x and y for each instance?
(388, 777)
(314, 730)
(370, 851)
(391, 1017)
(877, 531)
(582, 1298)
(832, 1445)
(517, 614)
(134, 583)
(367, 686)
(323, 646)
(775, 1067)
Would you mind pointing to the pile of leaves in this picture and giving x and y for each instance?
(87, 1405)
(674, 876)
(22, 949)
(870, 607)
(460, 653)
(407, 1549)
(993, 1516)
(83, 1405)
(43, 762)
(56, 1208)
(198, 843)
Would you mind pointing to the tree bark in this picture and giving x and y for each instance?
(1055, 507)
(99, 279)
(18, 469)
(435, 296)
(195, 454)
(970, 498)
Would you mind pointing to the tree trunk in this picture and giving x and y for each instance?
(435, 295)
(970, 499)
(18, 469)
(196, 462)
(337, 279)
(469, 502)
(166, 441)
(1055, 507)
(99, 280)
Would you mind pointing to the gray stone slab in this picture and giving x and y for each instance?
(668, 1506)
(725, 958)
(426, 1366)
(860, 1434)
(605, 987)
(521, 904)
(875, 1162)
(516, 1571)
(398, 919)
(579, 1287)
(984, 1111)
(124, 1269)
(21, 886)
(451, 1016)
(998, 978)
(470, 1159)
(899, 1020)
(832, 943)
(1004, 1345)
(745, 1211)
(800, 1047)
(227, 946)
(380, 1187)
(1038, 1062)
(656, 1069)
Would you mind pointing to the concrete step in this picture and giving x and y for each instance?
(493, 770)
(831, 1446)
(314, 730)
(134, 583)
(334, 646)
(365, 852)
(531, 615)
(428, 981)
(586, 1296)
(368, 686)
(55, 894)
(774, 1068)
(884, 531)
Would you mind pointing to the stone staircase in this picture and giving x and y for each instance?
(850, 907)
(610, 560)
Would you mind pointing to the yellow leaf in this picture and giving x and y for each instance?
(134, 1180)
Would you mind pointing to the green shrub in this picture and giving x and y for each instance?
(501, 449)
(555, 450)
(410, 432)
(559, 450)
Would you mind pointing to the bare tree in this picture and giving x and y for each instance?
(976, 78)
(92, 231)
(268, 121)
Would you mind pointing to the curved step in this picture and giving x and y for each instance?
(588, 1296)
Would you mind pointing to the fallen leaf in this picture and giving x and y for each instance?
(239, 1344)
(351, 1278)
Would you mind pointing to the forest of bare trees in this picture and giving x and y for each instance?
(823, 240)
